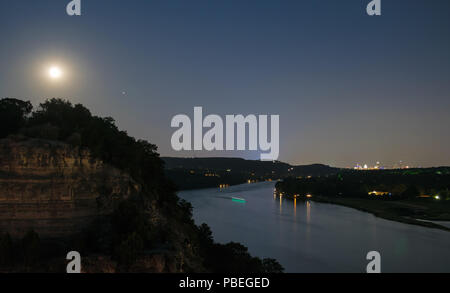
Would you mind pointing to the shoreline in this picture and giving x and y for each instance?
(428, 223)
(425, 222)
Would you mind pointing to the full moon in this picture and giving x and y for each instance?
(55, 72)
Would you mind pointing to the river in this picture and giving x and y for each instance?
(316, 237)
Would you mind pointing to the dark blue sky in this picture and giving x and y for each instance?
(348, 87)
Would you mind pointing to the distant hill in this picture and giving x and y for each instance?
(250, 166)
(191, 173)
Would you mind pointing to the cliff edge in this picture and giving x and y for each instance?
(55, 189)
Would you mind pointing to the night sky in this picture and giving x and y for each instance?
(349, 88)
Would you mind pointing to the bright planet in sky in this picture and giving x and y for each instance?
(55, 72)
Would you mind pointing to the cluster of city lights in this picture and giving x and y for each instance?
(378, 166)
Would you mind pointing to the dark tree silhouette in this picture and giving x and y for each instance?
(13, 115)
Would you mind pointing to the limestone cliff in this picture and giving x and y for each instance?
(54, 188)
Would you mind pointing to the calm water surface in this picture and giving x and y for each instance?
(316, 237)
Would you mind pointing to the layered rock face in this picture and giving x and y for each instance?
(55, 189)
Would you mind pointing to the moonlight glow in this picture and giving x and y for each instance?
(55, 72)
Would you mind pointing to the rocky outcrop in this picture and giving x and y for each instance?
(54, 188)
(152, 263)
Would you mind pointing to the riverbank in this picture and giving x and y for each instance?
(404, 211)
(414, 212)
(315, 238)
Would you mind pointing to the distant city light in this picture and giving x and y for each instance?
(378, 166)
(379, 193)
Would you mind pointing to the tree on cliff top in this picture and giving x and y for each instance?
(129, 230)
(13, 115)
(76, 125)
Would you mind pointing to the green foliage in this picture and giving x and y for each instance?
(129, 249)
(411, 192)
(205, 235)
(6, 250)
(128, 232)
(31, 248)
(186, 209)
(96, 238)
(74, 139)
(79, 127)
(132, 232)
(13, 115)
(357, 184)
(43, 131)
(58, 119)
(130, 218)
(270, 266)
(234, 257)
(125, 234)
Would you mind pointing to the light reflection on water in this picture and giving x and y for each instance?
(314, 237)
